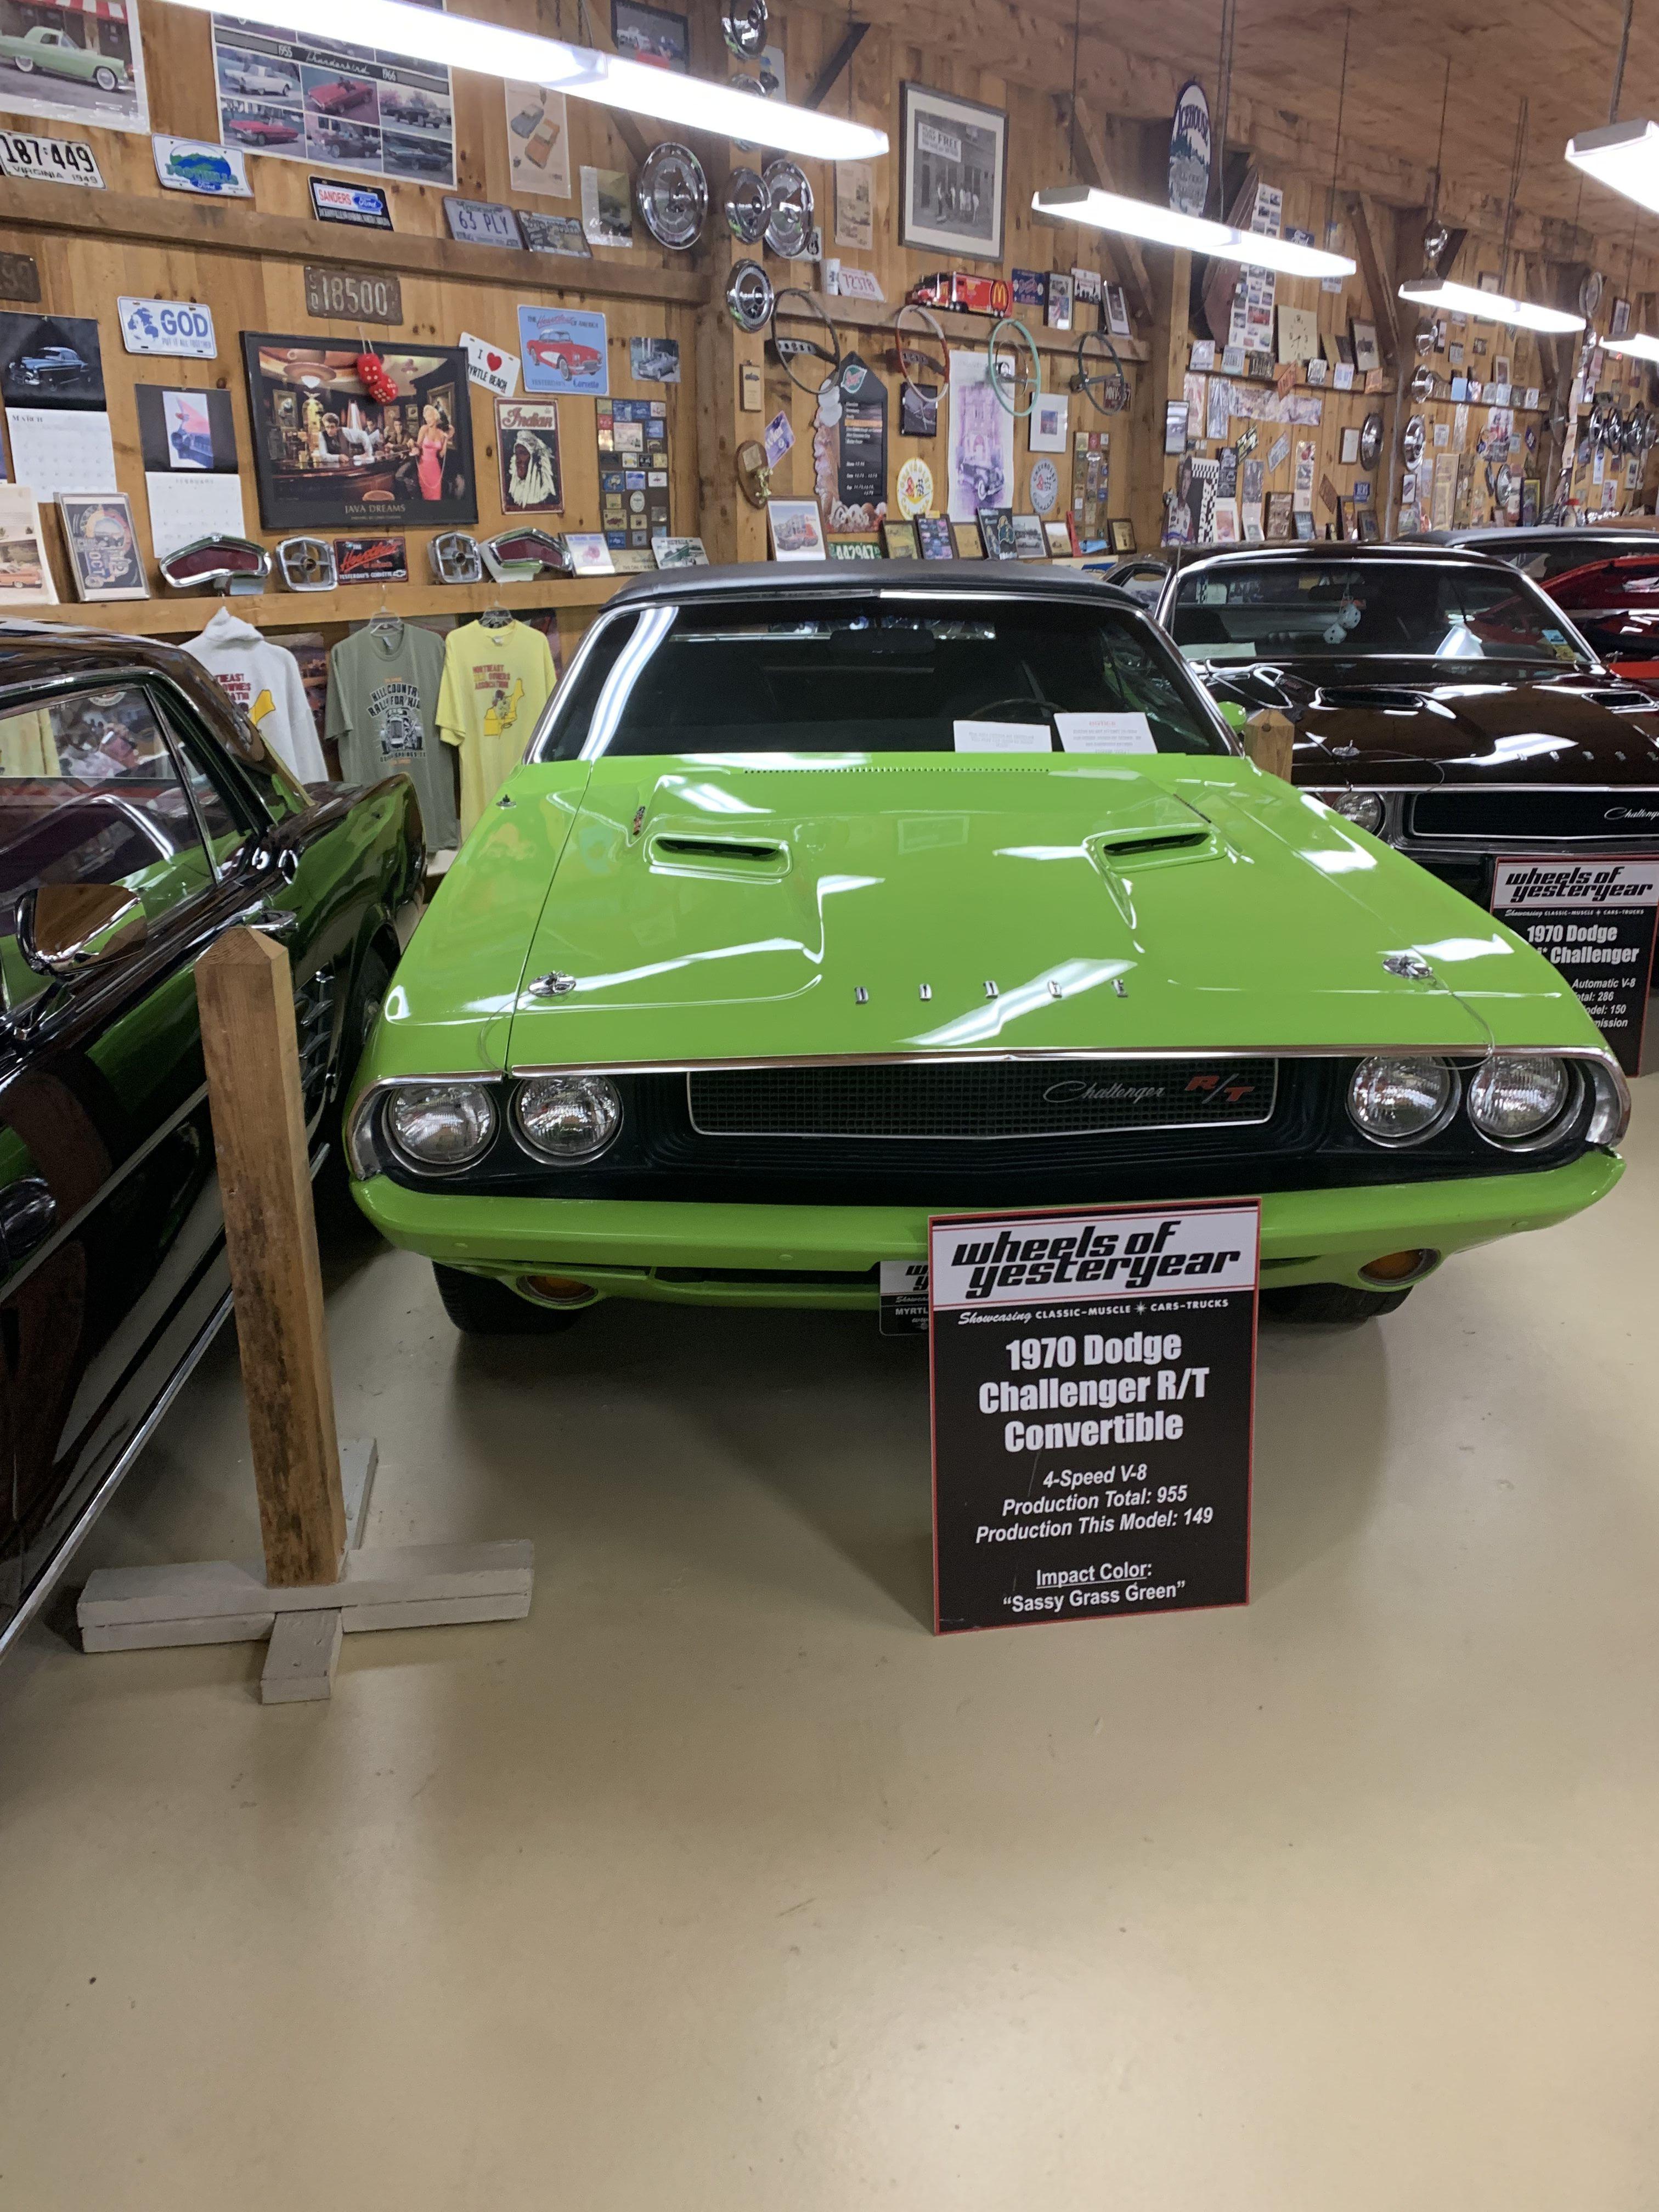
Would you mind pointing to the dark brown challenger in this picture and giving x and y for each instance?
(1439, 699)
(141, 816)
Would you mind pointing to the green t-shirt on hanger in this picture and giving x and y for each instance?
(382, 713)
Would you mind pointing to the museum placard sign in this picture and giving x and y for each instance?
(1595, 921)
(1093, 1407)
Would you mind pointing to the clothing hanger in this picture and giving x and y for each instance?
(495, 615)
(387, 623)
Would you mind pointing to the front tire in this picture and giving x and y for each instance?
(479, 1306)
(1332, 1305)
(105, 80)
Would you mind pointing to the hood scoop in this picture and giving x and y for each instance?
(691, 853)
(1377, 698)
(1160, 828)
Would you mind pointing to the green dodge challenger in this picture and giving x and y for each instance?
(824, 903)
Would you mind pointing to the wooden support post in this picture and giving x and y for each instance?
(1169, 340)
(245, 994)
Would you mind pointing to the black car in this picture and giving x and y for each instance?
(140, 818)
(1438, 699)
(1605, 581)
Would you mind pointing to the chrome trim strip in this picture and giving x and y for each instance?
(1472, 1054)
(1004, 1137)
(39, 1592)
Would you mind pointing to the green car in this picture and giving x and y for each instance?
(56, 53)
(823, 903)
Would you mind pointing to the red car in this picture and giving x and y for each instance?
(253, 131)
(340, 97)
(565, 354)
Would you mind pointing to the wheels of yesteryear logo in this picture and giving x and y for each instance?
(672, 194)
(749, 297)
(807, 351)
(1017, 388)
(1098, 373)
(912, 324)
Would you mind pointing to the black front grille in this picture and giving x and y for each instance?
(1543, 816)
(952, 1102)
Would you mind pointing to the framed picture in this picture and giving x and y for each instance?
(327, 455)
(1122, 532)
(953, 174)
(1059, 536)
(1029, 543)
(934, 531)
(1046, 431)
(965, 536)
(1059, 301)
(797, 530)
(527, 441)
(1500, 362)
(1117, 312)
(854, 545)
(1350, 445)
(650, 34)
(899, 541)
(104, 556)
(1175, 426)
(1365, 355)
(1278, 514)
(996, 527)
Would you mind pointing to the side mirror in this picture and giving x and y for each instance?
(63, 928)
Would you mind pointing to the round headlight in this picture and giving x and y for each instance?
(1513, 1099)
(440, 1125)
(567, 1118)
(1401, 1101)
(1363, 808)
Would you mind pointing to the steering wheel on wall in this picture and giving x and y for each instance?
(1007, 379)
(1104, 381)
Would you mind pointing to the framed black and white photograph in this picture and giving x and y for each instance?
(657, 35)
(953, 174)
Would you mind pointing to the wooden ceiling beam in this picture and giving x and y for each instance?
(1373, 237)
(1095, 166)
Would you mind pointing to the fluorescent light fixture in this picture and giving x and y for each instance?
(1488, 306)
(1636, 343)
(396, 26)
(1162, 226)
(1624, 157)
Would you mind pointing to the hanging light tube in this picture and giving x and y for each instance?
(420, 34)
(1162, 226)
(1623, 156)
(1488, 306)
(1636, 343)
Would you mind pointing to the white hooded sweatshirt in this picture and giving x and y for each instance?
(264, 681)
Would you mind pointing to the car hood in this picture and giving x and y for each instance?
(1413, 720)
(702, 910)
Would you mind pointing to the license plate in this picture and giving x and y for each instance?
(55, 160)
(904, 1298)
(353, 295)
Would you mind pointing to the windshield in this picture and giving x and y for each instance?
(929, 674)
(1417, 609)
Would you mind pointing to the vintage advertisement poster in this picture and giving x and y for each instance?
(76, 63)
(321, 101)
(981, 439)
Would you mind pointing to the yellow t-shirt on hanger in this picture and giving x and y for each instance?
(495, 683)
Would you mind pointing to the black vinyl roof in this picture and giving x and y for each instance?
(1001, 580)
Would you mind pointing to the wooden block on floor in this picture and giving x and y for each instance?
(299, 1664)
(435, 1612)
(226, 1590)
(159, 1635)
(358, 1463)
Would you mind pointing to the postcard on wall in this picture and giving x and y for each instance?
(565, 349)
(527, 442)
(77, 65)
(185, 506)
(680, 552)
(57, 449)
(103, 550)
(304, 99)
(1047, 422)
(953, 159)
(185, 430)
(25, 575)
(607, 208)
(51, 362)
(492, 367)
(982, 439)
(538, 140)
(655, 361)
(1059, 301)
(327, 454)
(855, 221)
(554, 233)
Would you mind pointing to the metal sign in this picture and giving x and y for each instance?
(49, 161)
(181, 328)
(1190, 150)
(365, 205)
(1093, 1402)
(360, 295)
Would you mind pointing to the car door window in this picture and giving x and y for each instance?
(89, 794)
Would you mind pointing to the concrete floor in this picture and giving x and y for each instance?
(718, 1884)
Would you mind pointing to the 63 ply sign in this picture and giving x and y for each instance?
(1093, 1399)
